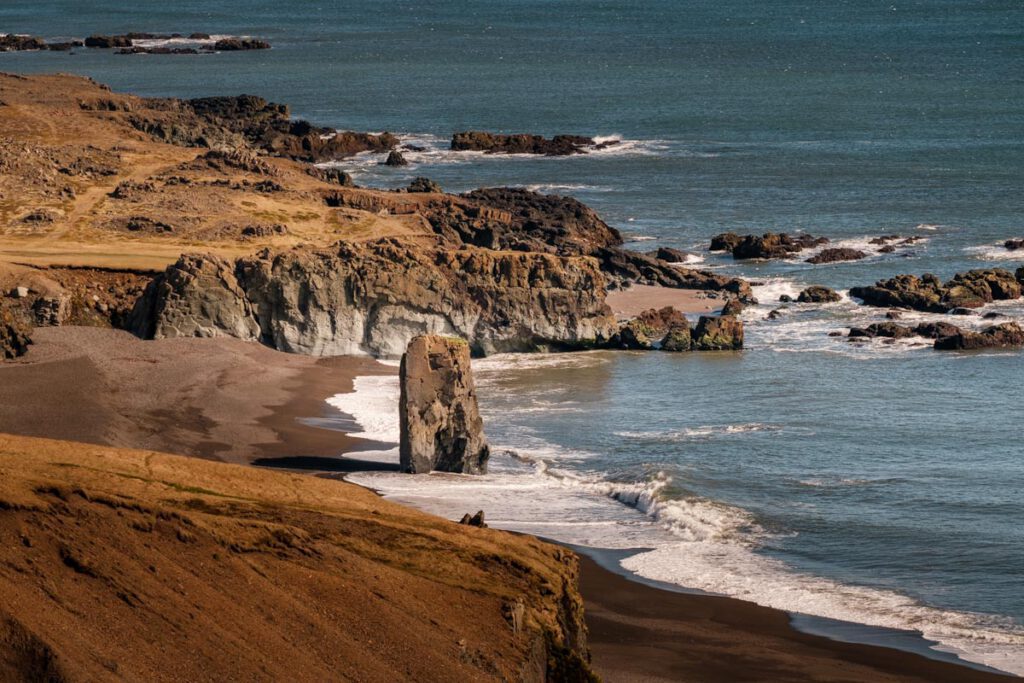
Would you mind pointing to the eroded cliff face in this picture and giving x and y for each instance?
(439, 419)
(373, 298)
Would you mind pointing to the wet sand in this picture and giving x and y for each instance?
(642, 633)
(628, 303)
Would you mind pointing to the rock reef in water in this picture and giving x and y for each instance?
(836, 255)
(1006, 335)
(493, 143)
(767, 246)
(817, 294)
(439, 420)
(972, 289)
(668, 330)
(373, 298)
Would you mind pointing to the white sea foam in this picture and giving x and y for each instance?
(995, 252)
(699, 433)
(373, 404)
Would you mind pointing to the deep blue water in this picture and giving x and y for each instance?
(877, 483)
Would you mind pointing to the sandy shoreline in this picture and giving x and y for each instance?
(628, 303)
(240, 402)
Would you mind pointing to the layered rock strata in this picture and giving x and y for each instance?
(439, 420)
(373, 298)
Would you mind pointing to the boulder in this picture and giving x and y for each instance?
(1014, 245)
(474, 520)
(108, 41)
(15, 332)
(718, 333)
(904, 291)
(439, 420)
(678, 338)
(975, 288)
(816, 294)
(395, 158)
(997, 336)
(774, 245)
(634, 335)
(836, 255)
(886, 329)
(725, 241)
(936, 330)
(669, 255)
(491, 143)
(733, 307)
(424, 185)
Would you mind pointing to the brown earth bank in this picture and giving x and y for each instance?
(132, 565)
(641, 633)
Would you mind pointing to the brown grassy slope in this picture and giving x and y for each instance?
(67, 144)
(118, 564)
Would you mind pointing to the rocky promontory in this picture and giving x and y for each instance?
(439, 421)
(373, 298)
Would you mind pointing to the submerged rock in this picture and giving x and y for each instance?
(836, 255)
(774, 245)
(439, 420)
(492, 143)
(998, 336)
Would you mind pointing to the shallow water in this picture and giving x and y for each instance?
(873, 482)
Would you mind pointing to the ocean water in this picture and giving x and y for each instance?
(877, 483)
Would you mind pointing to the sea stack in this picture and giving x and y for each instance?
(439, 421)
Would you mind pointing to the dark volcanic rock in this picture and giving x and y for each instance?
(108, 41)
(395, 158)
(491, 143)
(439, 421)
(886, 329)
(997, 336)
(972, 289)
(816, 294)
(836, 255)
(936, 330)
(424, 185)
(669, 255)
(235, 44)
(726, 241)
(474, 520)
(1014, 245)
(14, 43)
(772, 245)
(904, 291)
(718, 333)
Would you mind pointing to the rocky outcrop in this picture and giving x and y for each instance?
(15, 43)
(669, 255)
(15, 333)
(837, 255)
(816, 294)
(767, 246)
(492, 143)
(722, 333)
(1014, 245)
(439, 421)
(972, 289)
(236, 44)
(395, 158)
(247, 121)
(199, 296)
(1005, 335)
(372, 298)
(421, 184)
(106, 42)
